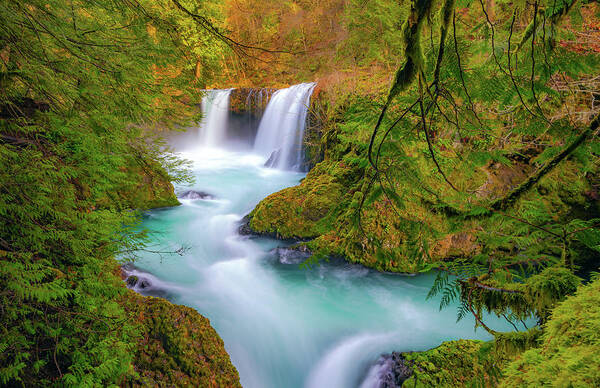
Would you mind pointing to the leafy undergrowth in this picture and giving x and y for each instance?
(569, 350)
(565, 355)
(178, 347)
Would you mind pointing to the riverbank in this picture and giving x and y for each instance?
(343, 211)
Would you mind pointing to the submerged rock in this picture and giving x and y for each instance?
(193, 194)
(144, 284)
(273, 159)
(137, 283)
(292, 255)
(141, 282)
(131, 281)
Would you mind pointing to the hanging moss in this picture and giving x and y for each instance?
(549, 287)
(513, 343)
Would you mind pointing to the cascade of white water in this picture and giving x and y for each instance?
(281, 129)
(215, 112)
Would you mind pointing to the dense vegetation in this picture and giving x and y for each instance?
(84, 86)
(479, 157)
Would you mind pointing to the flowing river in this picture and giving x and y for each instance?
(284, 326)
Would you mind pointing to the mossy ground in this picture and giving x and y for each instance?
(567, 355)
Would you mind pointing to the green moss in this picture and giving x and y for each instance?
(178, 347)
(404, 227)
(564, 198)
(306, 210)
(154, 189)
(567, 353)
(454, 364)
(325, 206)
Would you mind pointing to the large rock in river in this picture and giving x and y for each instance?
(177, 348)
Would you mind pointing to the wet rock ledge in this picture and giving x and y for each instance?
(390, 371)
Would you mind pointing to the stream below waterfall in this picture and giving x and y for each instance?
(284, 326)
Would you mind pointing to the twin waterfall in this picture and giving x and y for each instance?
(280, 133)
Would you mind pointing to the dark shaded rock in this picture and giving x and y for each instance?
(246, 108)
(244, 228)
(141, 282)
(137, 283)
(144, 283)
(193, 194)
(273, 159)
(132, 281)
(390, 371)
(249, 100)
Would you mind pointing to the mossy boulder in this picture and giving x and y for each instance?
(461, 363)
(304, 211)
(177, 348)
(154, 189)
(146, 185)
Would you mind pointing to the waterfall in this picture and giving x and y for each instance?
(270, 123)
(281, 130)
(215, 112)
